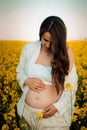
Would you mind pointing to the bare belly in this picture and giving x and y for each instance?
(42, 99)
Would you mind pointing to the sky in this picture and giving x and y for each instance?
(21, 19)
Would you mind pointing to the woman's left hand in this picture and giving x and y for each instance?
(49, 111)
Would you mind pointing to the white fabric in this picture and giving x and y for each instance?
(53, 123)
(38, 71)
(24, 70)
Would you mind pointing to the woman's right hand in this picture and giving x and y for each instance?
(35, 84)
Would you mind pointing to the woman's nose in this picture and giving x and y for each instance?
(47, 44)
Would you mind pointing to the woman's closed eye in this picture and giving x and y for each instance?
(46, 40)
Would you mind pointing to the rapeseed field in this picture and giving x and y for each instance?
(10, 91)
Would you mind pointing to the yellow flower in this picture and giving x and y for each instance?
(68, 87)
(16, 128)
(23, 125)
(74, 118)
(5, 127)
(40, 115)
(83, 128)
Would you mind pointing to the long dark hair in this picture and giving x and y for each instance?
(60, 62)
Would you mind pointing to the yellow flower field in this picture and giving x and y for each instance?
(10, 91)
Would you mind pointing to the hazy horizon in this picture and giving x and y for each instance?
(21, 19)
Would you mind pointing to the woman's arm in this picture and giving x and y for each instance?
(26, 54)
(33, 83)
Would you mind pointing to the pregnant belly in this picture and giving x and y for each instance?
(42, 99)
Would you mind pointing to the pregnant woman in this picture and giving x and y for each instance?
(44, 69)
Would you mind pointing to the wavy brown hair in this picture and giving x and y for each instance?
(60, 62)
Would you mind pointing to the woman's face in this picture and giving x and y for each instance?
(46, 40)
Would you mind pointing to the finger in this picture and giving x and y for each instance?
(47, 114)
(37, 89)
(50, 110)
(47, 111)
(40, 89)
(43, 84)
(40, 85)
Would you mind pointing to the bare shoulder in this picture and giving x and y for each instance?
(71, 58)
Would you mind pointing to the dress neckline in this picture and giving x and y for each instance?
(37, 55)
